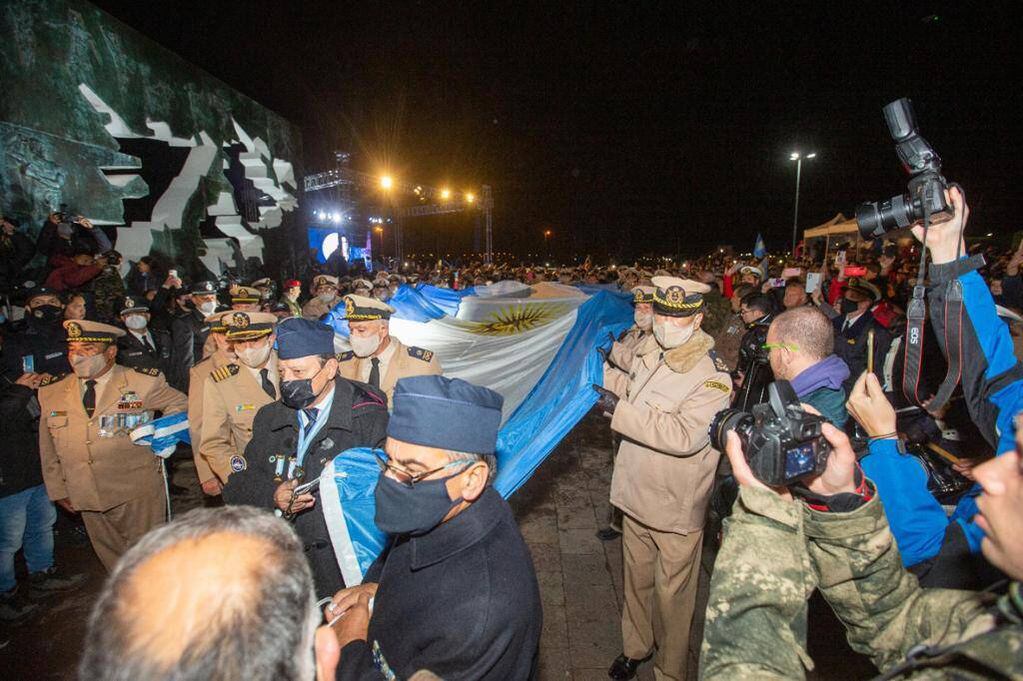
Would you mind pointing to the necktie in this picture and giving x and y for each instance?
(374, 373)
(89, 398)
(268, 385)
(310, 415)
(148, 343)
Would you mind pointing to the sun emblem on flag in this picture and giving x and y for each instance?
(516, 319)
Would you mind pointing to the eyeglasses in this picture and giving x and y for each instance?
(791, 347)
(410, 479)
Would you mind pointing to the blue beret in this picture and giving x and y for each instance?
(297, 337)
(447, 413)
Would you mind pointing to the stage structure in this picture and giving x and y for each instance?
(172, 161)
(442, 201)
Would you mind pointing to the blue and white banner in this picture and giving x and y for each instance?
(536, 348)
(163, 434)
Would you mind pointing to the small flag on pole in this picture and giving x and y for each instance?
(759, 250)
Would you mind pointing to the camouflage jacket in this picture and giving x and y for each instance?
(777, 552)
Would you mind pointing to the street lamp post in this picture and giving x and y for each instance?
(547, 242)
(798, 158)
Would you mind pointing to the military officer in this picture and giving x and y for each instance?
(234, 392)
(622, 351)
(142, 347)
(220, 357)
(377, 357)
(317, 417)
(189, 333)
(245, 298)
(324, 298)
(89, 462)
(663, 474)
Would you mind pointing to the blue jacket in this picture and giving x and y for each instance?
(992, 385)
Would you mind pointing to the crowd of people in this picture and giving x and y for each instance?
(910, 528)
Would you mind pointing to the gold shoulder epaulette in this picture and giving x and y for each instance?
(420, 353)
(224, 372)
(345, 356)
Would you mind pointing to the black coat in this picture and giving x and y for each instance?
(461, 601)
(358, 418)
(132, 353)
(46, 345)
(20, 467)
(188, 336)
(851, 345)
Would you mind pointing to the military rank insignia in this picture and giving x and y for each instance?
(224, 372)
(148, 371)
(345, 356)
(420, 353)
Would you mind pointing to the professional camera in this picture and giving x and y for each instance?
(926, 188)
(782, 442)
(66, 217)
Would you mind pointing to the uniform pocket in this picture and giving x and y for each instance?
(54, 422)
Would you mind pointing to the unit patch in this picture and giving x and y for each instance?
(238, 463)
(717, 385)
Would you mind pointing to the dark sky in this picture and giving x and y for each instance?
(629, 130)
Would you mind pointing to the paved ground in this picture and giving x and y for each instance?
(559, 510)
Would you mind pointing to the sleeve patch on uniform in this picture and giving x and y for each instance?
(238, 463)
(345, 356)
(717, 385)
(148, 371)
(51, 379)
(420, 353)
(224, 372)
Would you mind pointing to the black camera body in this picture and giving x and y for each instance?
(783, 442)
(926, 188)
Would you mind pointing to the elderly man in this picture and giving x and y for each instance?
(623, 350)
(221, 357)
(216, 594)
(90, 464)
(376, 357)
(456, 593)
(235, 392)
(317, 417)
(799, 343)
(324, 297)
(663, 475)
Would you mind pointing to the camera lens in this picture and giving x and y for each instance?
(726, 420)
(880, 217)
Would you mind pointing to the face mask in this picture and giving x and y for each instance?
(65, 230)
(298, 394)
(364, 346)
(87, 367)
(135, 322)
(253, 357)
(47, 314)
(326, 297)
(848, 306)
(412, 510)
(208, 308)
(671, 336)
(643, 321)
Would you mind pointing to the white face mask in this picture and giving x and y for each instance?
(87, 367)
(253, 356)
(364, 346)
(643, 320)
(135, 322)
(208, 308)
(326, 297)
(671, 336)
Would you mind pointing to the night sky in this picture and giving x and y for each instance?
(629, 131)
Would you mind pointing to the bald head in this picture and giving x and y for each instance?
(808, 328)
(218, 593)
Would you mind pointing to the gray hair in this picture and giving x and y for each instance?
(266, 634)
(489, 459)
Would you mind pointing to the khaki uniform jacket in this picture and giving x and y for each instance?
(196, 385)
(408, 360)
(95, 472)
(232, 396)
(316, 308)
(624, 349)
(665, 467)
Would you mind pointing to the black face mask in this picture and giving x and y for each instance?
(47, 314)
(412, 510)
(299, 394)
(847, 306)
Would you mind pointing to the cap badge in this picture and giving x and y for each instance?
(349, 307)
(638, 296)
(74, 330)
(128, 302)
(675, 295)
(239, 320)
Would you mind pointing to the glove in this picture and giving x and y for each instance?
(605, 355)
(607, 401)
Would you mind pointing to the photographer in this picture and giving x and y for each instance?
(778, 549)
(752, 374)
(67, 235)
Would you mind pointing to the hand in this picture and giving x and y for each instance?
(346, 598)
(66, 504)
(171, 282)
(54, 218)
(84, 222)
(945, 235)
(870, 407)
(353, 624)
(212, 487)
(282, 498)
(608, 400)
(29, 380)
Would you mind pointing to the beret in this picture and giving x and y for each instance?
(298, 337)
(447, 413)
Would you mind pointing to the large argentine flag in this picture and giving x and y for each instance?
(536, 345)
